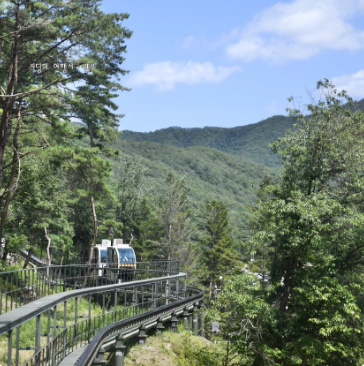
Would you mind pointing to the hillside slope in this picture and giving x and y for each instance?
(251, 141)
(210, 174)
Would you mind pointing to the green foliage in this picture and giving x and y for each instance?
(175, 349)
(174, 217)
(216, 246)
(36, 108)
(39, 203)
(192, 353)
(313, 222)
(209, 174)
(250, 141)
(242, 313)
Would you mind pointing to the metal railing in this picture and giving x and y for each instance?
(123, 326)
(23, 286)
(33, 259)
(63, 336)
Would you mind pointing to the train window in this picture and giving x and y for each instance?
(94, 256)
(109, 255)
(103, 256)
(126, 255)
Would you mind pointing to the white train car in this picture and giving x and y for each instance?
(120, 262)
(99, 257)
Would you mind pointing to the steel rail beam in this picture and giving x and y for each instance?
(14, 318)
(107, 336)
(23, 286)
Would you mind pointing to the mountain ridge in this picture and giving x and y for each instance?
(251, 141)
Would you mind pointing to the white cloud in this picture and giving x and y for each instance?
(299, 30)
(165, 75)
(191, 42)
(353, 84)
(226, 38)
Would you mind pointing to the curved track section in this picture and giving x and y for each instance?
(33, 259)
(128, 327)
(21, 287)
(126, 305)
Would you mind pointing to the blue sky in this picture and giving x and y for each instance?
(231, 63)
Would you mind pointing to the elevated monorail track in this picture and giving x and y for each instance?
(157, 294)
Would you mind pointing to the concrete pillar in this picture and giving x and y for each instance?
(195, 324)
(202, 320)
(142, 334)
(185, 318)
(99, 360)
(195, 319)
(160, 327)
(174, 321)
(190, 321)
(119, 351)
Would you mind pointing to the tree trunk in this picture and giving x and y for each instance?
(287, 284)
(27, 259)
(304, 361)
(60, 268)
(95, 230)
(93, 241)
(48, 246)
(11, 188)
(12, 88)
(48, 254)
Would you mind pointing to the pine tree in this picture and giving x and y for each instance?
(217, 246)
(174, 216)
(35, 36)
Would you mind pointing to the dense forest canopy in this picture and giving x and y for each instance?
(213, 198)
(250, 142)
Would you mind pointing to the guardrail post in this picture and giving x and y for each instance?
(153, 296)
(167, 292)
(17, 345)
(65, 315)
(160, 326)
(177, 289)
(103, 308)
(135, 296)
(116, 304)
(55, 321)
(119, 351)
(10, 347)
(37, 338)
(48, 330)
(76, 316)
(142, 334)
(142, 296)
(89, 320)
(54, 336)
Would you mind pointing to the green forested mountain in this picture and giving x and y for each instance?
(210, 174)
(250, 142)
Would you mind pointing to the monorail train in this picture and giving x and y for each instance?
(120, 262)
(99, 257)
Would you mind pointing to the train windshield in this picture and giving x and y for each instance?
(126, 255)
(103, 255)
